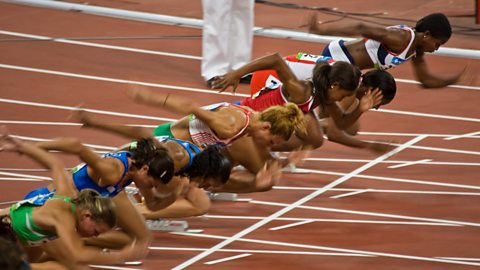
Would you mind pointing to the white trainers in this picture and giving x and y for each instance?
(167, 225)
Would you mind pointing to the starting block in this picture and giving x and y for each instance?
(163, 225)
(226, 196)
(293, 169)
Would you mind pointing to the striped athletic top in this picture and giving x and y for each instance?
(202, 134)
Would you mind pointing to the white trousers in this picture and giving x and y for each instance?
(227, 35)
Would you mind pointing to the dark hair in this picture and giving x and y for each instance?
(6, 230)
(159, 162)
(382, 80)
(324, 75)
(210, 163)
(11, 256)
(437, 24)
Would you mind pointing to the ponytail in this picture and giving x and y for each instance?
(101, 208)
(325, 75)
(159, 162)
(284, 119)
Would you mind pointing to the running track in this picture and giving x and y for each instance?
(413, 208)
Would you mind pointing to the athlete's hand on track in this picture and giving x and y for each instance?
(270, 174)
(371, 99)
(223, 82)
(380, 147)
(7, 142)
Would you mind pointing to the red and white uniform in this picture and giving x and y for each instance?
(265, 87)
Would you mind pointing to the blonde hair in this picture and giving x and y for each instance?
(284, 119)
(101, 208)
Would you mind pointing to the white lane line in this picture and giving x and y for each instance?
(349, 160)
(467, 135)
(372, 253)
(10, 202)
(19, 179)
(400, 180)
(407, 134)
(26, 176)
(46, 105)
(24, 170)
(297, 203)
(350, 193)
(99, 45)
(261, 251)
(431, 115)
(421, 192)
(460, 259)
(112, 267)
(185, 56)
(35, 139)
(410, 163)
(439, 149)
(291, 225)
(76, 75)
(229, 258)
(106, 79)
(61, 123)
(366, 213)
(387, 222)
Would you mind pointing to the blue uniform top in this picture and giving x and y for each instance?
(191, 149)
(82, 180)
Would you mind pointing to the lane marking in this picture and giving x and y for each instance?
(421, 192)
(371, 253)
(261, 251)
(460, 259)
(467, 135)
(407, 134)
(297, 203)
(99, 45)
(350, 193)
(338, 220)
(366, 213)
(75, 75)
(161, 53)
(229, 258)
(46, 105)
(62, 123)
(400, 180)
(26, 176)
(410, 163)
(291, 225)
(349, 160)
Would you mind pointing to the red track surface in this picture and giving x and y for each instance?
(391, 246)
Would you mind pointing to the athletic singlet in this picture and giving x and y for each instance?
(22, 220)
(202, 134)
(381, 57)
(82, 180)
(191, 149)
(270, 93)
(301, 64)
(384, 59)
(269, 96)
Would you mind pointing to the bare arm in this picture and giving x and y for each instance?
(109, 170)
(428, 80)
(63, 184)
(343, 119)
(395, 40)
(291, 85)
(126, 131)
(69, 248)
(222, 124)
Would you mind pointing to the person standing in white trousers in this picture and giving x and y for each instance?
(227, 35)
